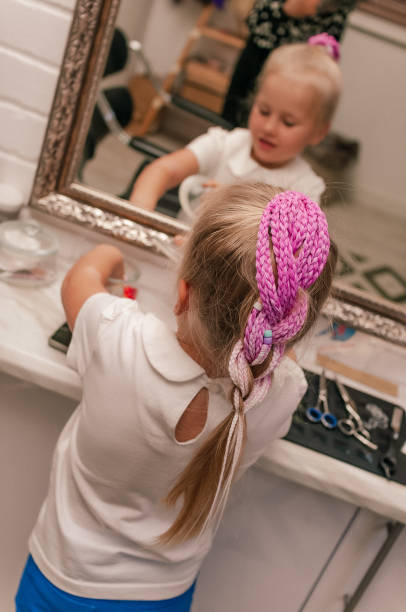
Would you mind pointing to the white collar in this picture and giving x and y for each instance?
(165, 354)
(240, 162)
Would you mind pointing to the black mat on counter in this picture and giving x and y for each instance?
(334, 443)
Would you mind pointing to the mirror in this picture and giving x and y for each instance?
(75, 186)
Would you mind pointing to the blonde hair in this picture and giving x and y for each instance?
(219, 265)
(311, 64)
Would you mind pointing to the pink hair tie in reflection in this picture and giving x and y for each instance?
(329, 42)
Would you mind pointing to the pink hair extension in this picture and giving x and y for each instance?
(331, 45)
(300, 243)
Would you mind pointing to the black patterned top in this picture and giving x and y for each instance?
(271, 27)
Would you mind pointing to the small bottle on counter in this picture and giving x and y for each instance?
(11, 202)
(125, 287)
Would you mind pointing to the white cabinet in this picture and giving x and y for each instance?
(275, 540)
(31, 419)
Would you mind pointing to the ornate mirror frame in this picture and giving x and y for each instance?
(57, 192)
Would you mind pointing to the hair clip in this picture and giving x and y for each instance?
(268, 336)
(329, 42)
(258, 306)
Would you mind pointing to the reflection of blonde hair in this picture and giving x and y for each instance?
(310, 64)
(219, 265)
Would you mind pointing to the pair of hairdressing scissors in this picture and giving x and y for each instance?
(320, 412)
(353, 424)
(388, 462)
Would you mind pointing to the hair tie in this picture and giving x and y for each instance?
(331, 45)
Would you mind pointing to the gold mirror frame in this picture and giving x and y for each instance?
(57, 192)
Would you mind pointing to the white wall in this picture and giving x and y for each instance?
(372, 109)
(133, 17)
(33, 35)
(32, 39)
(169, 26)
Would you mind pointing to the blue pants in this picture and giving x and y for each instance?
(37, 594)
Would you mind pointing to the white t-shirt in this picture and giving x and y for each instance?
(117, 457)
(226, 157)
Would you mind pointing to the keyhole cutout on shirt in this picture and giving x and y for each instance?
(193, 419)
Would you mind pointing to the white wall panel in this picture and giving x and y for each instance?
(33, 36)
(26, 82)
(17, 172)
(22, 132)
(38, 29)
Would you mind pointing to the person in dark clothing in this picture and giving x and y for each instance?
(272, 23)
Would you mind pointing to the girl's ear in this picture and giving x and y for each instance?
(182, 304)
(319, 133)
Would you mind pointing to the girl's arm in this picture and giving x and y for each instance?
(161, 175)
(89, 275)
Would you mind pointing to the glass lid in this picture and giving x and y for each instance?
(27, 237)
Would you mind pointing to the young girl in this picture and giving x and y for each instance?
(272, 23)
(297, 96)
(142, 470)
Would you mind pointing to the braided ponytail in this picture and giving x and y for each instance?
(249, 300)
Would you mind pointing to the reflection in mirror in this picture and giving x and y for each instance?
(154, 109)
(162, 96)
(83, 172)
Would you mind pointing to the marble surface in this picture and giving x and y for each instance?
(28, 316)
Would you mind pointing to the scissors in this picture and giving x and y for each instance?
(388, 463)
(320, 413)
(353, 424)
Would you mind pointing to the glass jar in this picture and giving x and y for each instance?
(11, 202)
(27, 253)
(127, 286)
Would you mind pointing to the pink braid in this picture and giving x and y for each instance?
(300, 243)
(327, 41)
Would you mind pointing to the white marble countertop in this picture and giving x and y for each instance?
(28, 316)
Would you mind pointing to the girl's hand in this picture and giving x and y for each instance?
(88, 276)
(211, 183)
(179, 239)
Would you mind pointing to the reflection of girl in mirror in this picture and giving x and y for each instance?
(142, 470)
(272, 23)
(297, 96)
